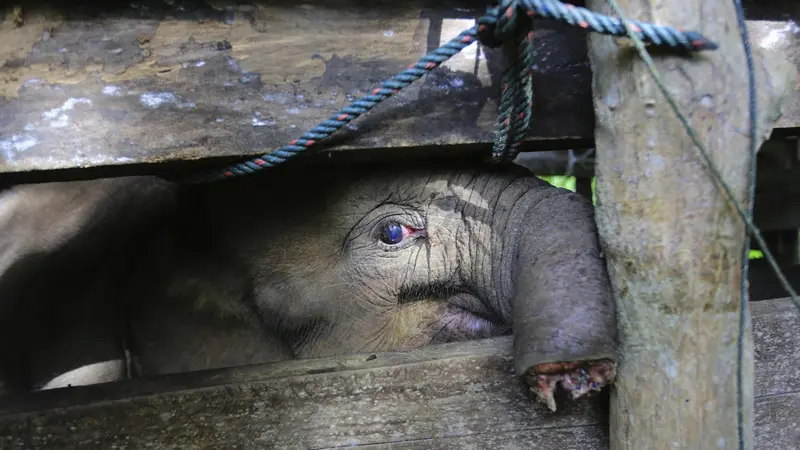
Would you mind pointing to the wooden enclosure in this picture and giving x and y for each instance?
(461, 395)
(150, 87)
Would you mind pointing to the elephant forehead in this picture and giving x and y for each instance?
(425, 185)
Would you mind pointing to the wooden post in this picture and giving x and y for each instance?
(673, 243)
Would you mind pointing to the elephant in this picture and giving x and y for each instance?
(139, 276)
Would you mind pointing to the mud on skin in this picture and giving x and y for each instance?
(301, 262)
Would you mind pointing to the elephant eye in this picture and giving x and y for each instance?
(393, 233)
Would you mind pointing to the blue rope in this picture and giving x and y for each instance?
(507, 25)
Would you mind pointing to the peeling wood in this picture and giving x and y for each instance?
(138, 85)
(460, 394)
(779, 37)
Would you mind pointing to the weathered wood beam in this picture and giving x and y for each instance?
(119, 89)
(778, 184)
(573, 162)
(781, 41)
(673, 243)
(435, 397)
(777, 161)
(778, 178)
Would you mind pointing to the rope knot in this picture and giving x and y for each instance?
(503, 23)
(509, 25)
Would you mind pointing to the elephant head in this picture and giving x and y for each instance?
(375, 258)
(322, 260)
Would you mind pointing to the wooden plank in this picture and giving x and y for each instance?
(572, 162)
(434, 397)
(454, 394)
(778, 178)
(774, 325)
(165, 85)
(672, 242)
(778, 160)
(129, 87)
(782, 37)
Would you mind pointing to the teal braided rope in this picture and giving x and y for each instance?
(657, 35)
(514, 33)
(510, 21)
(345, 115)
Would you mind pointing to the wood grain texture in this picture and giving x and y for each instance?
(153, 85)
(119, 87)
(673, 243)
(460, 395)
(780, 41)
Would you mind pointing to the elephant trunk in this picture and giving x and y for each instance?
(555, 281)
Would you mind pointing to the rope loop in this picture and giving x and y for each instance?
(509, 25)
(502, 23)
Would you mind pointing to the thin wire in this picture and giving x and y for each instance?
(751, 194)
(709, 163)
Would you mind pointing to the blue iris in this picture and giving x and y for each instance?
(392, 233)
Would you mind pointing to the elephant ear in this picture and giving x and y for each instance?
(202, 278)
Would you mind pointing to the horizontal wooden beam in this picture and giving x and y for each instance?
(119, 89)
(778, 158)
(778, 178)
(435, 397)
(578, 163)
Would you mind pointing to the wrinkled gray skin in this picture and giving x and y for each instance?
(291, 263)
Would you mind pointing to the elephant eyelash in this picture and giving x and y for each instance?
(402, 245)
(411, 217)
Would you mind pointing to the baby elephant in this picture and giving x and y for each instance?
(296, 262)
